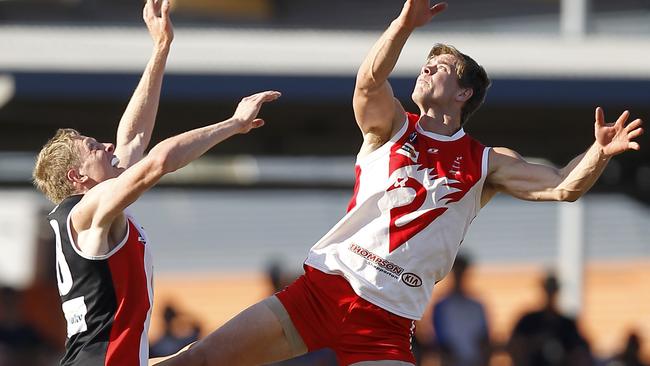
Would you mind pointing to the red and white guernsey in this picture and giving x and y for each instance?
(414, 199)
(106, 300)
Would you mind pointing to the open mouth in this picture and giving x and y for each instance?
(115, 161)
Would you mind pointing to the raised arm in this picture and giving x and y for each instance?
(377, 112)
(136, 125)
(106, 201)
(510, 173)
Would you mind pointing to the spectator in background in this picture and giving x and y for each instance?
(20, 343)
(547, 338)
(278, 276)
(460, 324)
(179, 332)
(630, 356)
(45, 268)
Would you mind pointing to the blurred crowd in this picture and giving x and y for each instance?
(541, 337)
(32, 333)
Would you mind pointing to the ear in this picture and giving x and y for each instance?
(74, 176)
(464, 94)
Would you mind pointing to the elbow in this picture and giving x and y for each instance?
(159, 164)
(366, 82)
(362, 89)
(565, 195)
(573, 198)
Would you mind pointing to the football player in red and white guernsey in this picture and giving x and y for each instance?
(420, 181)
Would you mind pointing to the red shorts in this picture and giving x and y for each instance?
(328, 313)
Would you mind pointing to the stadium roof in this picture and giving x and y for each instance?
(244, 52)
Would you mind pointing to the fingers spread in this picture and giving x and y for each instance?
(166, 5)
(634, 146)
(151, 5)
(635, 133)
(156, 7)
(623, 118)
(634, 125)
(600, 117)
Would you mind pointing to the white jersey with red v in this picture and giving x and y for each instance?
(414, 199)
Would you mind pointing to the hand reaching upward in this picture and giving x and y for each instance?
(246, 113)
(417, 13)
(156, 16)
(615, 138)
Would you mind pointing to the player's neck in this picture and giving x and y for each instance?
(81, 189)
(441, 123)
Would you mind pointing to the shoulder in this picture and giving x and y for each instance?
(404, 121)
(479, 151)
(84, 212)
(373, 139)
(501, 151)
(64, 207)
(502, 156)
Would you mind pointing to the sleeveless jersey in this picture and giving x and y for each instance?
(106, 300)
(414, 199)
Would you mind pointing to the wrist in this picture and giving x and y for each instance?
(234, 124)
(601, 154)
(402, 25)
(162, 47)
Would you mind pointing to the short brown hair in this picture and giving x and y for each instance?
(52, 163)
(470, 75)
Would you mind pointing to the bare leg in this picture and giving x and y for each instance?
(254, 337)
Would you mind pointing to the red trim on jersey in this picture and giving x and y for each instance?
(412, 117)
(130, 282)
(357, 183)
(443, 159)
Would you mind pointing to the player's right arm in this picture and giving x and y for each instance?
(105, 203)
(376, 110)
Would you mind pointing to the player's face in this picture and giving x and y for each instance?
(98, 162)
(437, 83)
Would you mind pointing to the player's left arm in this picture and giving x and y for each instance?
(510, 173)
(137, 123)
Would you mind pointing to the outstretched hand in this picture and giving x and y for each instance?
(615, 138)
(246, 113)
(417, 13)
(156, 16)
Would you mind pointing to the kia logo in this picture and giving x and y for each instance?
(411, 279)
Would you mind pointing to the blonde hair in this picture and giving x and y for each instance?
(54, 160)
(470, 75)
